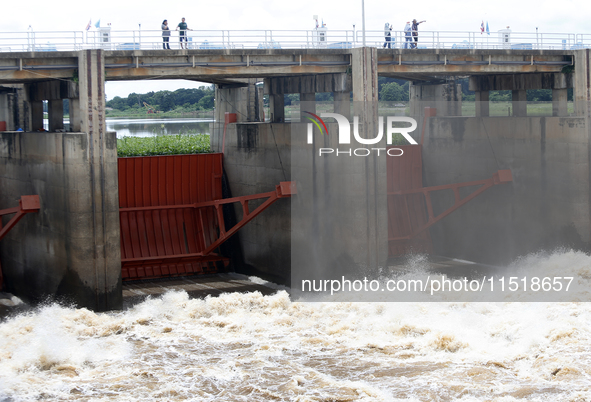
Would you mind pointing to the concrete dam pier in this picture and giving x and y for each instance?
(71, 248)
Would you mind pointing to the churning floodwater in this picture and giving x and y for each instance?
(249, 347)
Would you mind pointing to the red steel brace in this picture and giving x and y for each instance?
(27, 204)
(500, 177)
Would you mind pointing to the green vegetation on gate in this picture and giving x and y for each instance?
(163, 145)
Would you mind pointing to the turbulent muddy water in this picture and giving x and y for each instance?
(249, 347)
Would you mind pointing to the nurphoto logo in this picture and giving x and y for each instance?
(345, 134)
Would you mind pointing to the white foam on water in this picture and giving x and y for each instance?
(250, 347)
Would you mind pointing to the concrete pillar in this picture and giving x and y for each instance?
(308, 102)
(446, 98)
(24, 108)
(581, 91)
(75, 115)
(55, 114)
(559, 102)
(370, 244)
(342, 103)
(96, 257)
(277, 108)
(482, 103)
(519, 102)
(365, 78)
(582, 97)
(11, 112)
(36, 110)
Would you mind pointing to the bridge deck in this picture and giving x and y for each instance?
(223, 65)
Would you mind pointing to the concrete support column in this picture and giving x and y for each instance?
(36, 110)
(308, 102)
(369, 245)
(482, 104)
(519, 99)
(55, 114)
(277, 108)
(95, 251)
(75, 115)
(446, 98)
(582, 98)
(11, 112)
(559, 102)
(342, 104)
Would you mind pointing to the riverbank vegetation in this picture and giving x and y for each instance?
(194, 102)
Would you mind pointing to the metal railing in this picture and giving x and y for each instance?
(285, 39)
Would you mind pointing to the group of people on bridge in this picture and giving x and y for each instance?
(410, 32)
(182, 26)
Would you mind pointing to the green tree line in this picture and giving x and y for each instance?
(201, 98)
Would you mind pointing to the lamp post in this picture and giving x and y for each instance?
(363, 20)
(31, 38)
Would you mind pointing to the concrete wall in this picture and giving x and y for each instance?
(256, 159)
(545, 207)
(338, 223)
(54, 252)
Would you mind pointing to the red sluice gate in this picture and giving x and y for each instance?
(171, 214)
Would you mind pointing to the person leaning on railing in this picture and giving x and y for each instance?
(165, 35)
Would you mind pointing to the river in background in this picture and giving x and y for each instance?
(249, 347)
(160, 126)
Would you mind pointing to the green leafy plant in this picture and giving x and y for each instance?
(178, 144)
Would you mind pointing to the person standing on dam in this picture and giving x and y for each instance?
(415, 32)
(387, 35)
(407, 35)
(183, 32)
(165, 35)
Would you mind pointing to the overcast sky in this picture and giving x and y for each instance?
(565, 16)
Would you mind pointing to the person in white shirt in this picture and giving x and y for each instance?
(407, 35)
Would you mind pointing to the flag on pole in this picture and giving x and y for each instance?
(98, 24)
(88, 26)
(487, 31)
(482, 28)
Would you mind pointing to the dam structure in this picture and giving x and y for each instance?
(71, 248)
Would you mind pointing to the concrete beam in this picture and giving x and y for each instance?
(308, 84)
(50, 90)
(507, 82)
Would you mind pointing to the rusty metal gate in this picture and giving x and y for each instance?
(157, 241)
(171, 214)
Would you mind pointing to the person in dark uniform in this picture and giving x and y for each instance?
(415, 32)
